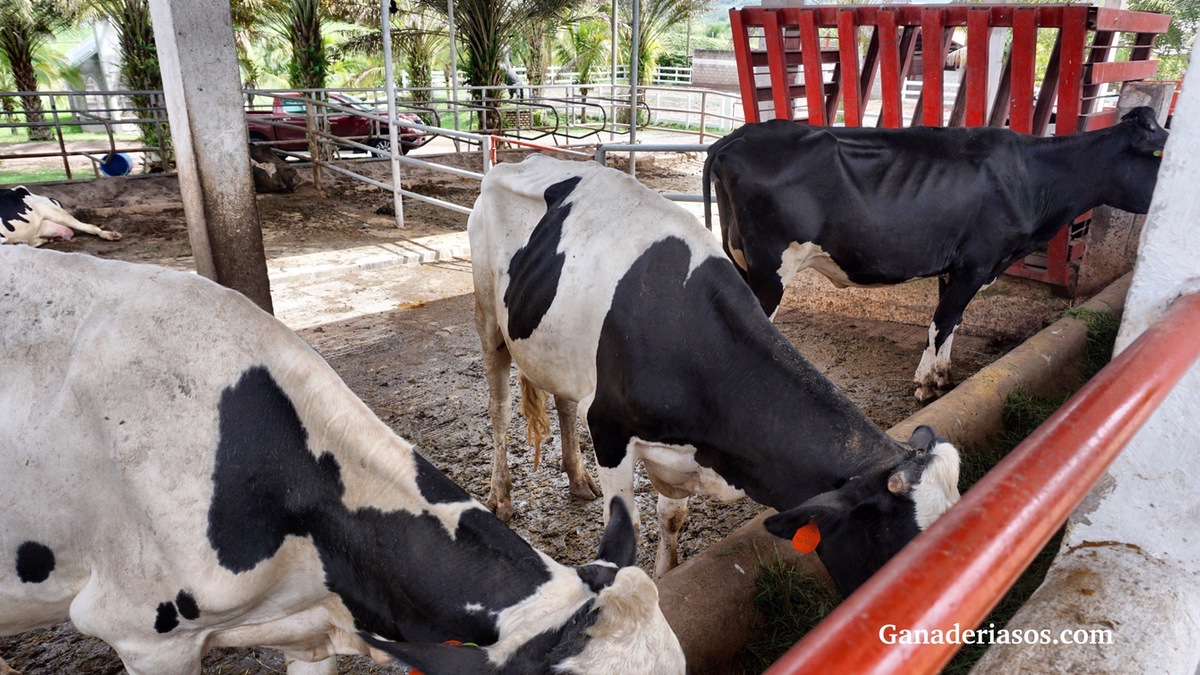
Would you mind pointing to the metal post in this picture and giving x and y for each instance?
(612, 82)
(314, 141)
(453, 70)
(703, 111)
(393, 118)
(634, 65)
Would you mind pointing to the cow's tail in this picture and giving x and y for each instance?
(537, 422)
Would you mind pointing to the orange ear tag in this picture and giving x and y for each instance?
(806, 538)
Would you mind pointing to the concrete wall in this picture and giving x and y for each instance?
(1131, 557)
(714, 69)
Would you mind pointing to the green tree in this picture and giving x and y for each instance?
(583, 47)
(139, 61)
(1174, 48)
(658, 17)
(25, 27)
(298, 23)
(486, 27)
(417, 37)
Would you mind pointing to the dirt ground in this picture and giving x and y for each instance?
(403, 339)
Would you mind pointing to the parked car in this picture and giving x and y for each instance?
(364, 130)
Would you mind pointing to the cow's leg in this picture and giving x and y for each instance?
(671, 515)
(618, 482)
(496, 365)
(767, 286)
(61, 218)
(5, 670)
(933, 373)
(48, 229)
(324, 667)
(582, 485)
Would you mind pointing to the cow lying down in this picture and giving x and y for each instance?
(182, 472)
(609, 296)
(26, 218)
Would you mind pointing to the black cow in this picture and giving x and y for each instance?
(180, 472)
(611, 297)
(869, 207)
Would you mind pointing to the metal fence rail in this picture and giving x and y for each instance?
(958, 569)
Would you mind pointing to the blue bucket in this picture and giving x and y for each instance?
(116, 164)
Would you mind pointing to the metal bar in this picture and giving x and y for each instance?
(655, 147)
(635, 65)
(1123, 71)
(1024, 46)
(848, 57)
(1127, 21)
(1070, 72)
(979, 34)
(814, 77)
(745, 64)
(393, 137)
(1143, 46)
(866, 82)
(412, 195)
(957, 570)
(932, 21)
(892, 111)
(781, 95)
(1049, 89)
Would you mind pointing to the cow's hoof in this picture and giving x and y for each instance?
(943, 382)
(925, 394)
(585, 489)
(110, 235)
(503, 508)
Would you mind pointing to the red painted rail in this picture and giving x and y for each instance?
(956, 571)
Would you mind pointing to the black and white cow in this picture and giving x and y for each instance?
(182, 472)
(868, 207)
(609, 296)
(26, 218)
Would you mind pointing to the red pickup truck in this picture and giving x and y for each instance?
(344, 125)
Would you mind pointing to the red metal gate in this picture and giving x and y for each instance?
(772, 46)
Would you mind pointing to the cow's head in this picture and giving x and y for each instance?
(873, 515)
(1134, 176)
(620, 629)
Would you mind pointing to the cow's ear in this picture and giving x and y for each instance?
(435, 659)
(923, 438)
(619, 544)
(1143, 116)
(825, 509)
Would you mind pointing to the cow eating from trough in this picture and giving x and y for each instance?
(26, 218)
(868, 207)
(610, 297)
(183, 472)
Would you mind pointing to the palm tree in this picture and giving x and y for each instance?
(582, 46)
(485, 29)
(417, 39)
(657, 17)
(25, 26)
(139, 60)
(298, 22)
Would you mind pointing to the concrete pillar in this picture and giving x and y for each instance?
(1131, 556)
(208, 130)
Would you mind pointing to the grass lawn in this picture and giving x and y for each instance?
(33, 175)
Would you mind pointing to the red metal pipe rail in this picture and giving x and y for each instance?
(956, 571)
